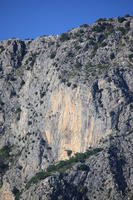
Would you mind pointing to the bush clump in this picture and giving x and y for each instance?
(104, 44)
(69, 152)
(39, 176)
(70, 54)
(127, 25)
(131, 57)
(104, 26)
(78, 66)
(1, 49)
(84, 26)
(91, 41)
(53, 54)
(101, 20)
(63, 165)
(101, 38)
(121, 19)
(18, 113)
(64, 37)
(4, 158)
(99, 28)
(112, 56)
(127, 15)
(83, 167)
(68, 84)
(122, 30)
(16, 193)
(13, 93)
(22, 83)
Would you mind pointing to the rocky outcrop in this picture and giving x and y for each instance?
(60, 95)
(105, 175)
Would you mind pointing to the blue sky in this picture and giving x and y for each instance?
(32, 18)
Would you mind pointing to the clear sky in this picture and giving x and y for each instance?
(32, 18)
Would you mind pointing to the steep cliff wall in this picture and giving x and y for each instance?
(60, 95)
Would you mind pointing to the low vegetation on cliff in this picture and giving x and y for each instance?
(64, 165)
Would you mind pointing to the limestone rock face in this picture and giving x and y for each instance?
(6, 193)
(60, 95)
(106, 175)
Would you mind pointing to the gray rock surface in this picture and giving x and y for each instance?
(60, 95)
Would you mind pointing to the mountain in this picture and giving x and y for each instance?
(66, 114)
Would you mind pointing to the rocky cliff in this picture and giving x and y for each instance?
(59, 97)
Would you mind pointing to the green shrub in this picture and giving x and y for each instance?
(83, 167)
(1, 68)
(81, 31)
(78, 65)
(88, 66)
(127, 25)
(70, 54)
(42, 93)
(110, 19)
(53, 54)
(109, 29)
(63, 80)
(64, 37)
(63, 165)
(83, 190)
(127, 15)
(1, 102)
(112, 56)
(104, 44)
(68, 84)
(69, 152)
(121, 19)
(16, 193)
(1, 49)
(39, 176)
(101, 38)
(18, 110)
(101, 66)
(74, 86)
(101, 20)
(84, 25)
(98, 28)
(19, 71)
(131, 49)
(11, 77)
(3, 167)
(52, 168)
(18, 113)
(95, 48)
(91, 41)
(81, 39)
(77, 47)
(29, 123)
(22, 83)
(130, 57)
(122, 30)
(13, 93)
(4, 158)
